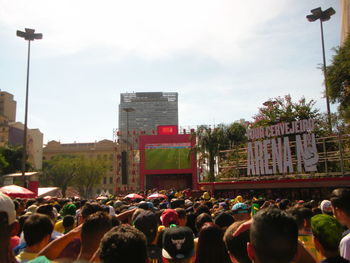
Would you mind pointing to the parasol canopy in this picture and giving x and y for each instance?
(133, 196)
(157, 196)
(17, 191)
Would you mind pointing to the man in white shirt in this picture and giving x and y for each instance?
(340, 199)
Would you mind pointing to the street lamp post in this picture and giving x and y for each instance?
(323, 16)
(28, 35)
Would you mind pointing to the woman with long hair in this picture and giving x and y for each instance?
(211, 247)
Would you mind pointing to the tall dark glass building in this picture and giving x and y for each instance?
(144, 111)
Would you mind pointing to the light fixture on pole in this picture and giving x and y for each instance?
(28, 35)
(323, 16)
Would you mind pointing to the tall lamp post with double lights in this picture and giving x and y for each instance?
(29, 35)
(323, 16)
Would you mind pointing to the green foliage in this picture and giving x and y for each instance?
(283, 109)
(210, 141)
(12, 155)
(59, 171)
(338, 79)
(89, 174)
(73, 170)
(235, 134)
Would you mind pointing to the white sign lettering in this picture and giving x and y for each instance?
(274, 155)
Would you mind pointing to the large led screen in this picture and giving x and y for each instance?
(160, 156)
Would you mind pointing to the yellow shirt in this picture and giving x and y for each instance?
(26, 256)
(59, 226)
(309, 244)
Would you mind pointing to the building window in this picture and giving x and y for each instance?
(111, 180)
(111, 157)
(104, 180)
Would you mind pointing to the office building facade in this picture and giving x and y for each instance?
(144, 111)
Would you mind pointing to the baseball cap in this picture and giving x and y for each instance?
(7, 205)
(69, 209)
(326, 206)
(147, 223)
(169, 216)
(178, 243)
(240, 208)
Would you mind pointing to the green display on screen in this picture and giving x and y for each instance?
(159, 156)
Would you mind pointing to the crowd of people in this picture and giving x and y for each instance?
(176, 229)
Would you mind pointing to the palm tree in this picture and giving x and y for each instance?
(209, 143)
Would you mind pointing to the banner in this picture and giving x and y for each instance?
(270, 151)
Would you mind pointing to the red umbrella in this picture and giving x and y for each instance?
(17, 191)
(133, 196)
(157, 195)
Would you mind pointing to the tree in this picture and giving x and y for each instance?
(89, 174)
(338, 79)
(235, 134)
(13, 156)
(60, 172)
(283, 109)
(209, 142)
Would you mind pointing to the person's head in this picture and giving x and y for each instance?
(89, 209)
(236, 245)
(340, 199)
(224, 220)
(326, 207)
(182, 216)
(168, 217)
(123, 244)
(47, 210)
(273, 237)
(7, 206)
(178, 244)
(147, 223)
(8, 215)
(211, 247)
(284, 204)
(201, 220)
(136, 213)
(68, 209)
(68, 223)
(240, 211)
(202, 209)
(37, 230)
(93, 229)
(302, 216)
(327, 233)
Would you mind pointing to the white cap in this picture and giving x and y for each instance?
(7, 205)
(326, 206)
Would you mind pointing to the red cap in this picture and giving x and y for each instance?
(169, 216)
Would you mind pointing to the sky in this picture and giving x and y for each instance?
(223, 57)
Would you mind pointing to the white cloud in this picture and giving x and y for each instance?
(152, 29)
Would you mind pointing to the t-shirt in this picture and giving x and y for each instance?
(344, 247)
(41, 259)
(59, 226)
(25, 256)
(308, 243)
(14, 241)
